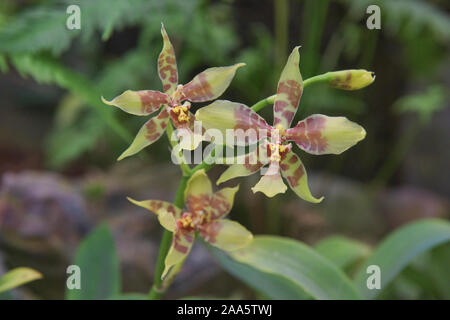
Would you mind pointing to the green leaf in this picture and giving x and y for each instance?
(99, 266)
(271, 285)
(294, 262)
(399, 248)
(342, 251)
(18, 277)
(438, 270)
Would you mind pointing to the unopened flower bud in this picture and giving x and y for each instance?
(351, 79)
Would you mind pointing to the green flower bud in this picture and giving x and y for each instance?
(351, 79)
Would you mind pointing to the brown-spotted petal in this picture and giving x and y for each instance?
(198, 192)
(181, 246)
(294, 172)
(140, 103)
(167, 64)
(225, 115)
(289, 92)
(167, 212)
(250, 165)
(150, 132)
(222, 202)
(210, 84)
(319, 134)
(226, 234)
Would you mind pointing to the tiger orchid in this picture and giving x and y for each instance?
(317, 134)
(175, 101)
(204, 214)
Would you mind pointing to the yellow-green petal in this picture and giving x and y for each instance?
(17, 277)
(210, 84)
(294, 172)
(140, 103)
(167, 212)
(222, 202)
(289, 92)
(319, 134)
(225, 115)
(167, 64)
(226, 234)
(250, 165)
(150, 132)
(198, 185)
(180, 248)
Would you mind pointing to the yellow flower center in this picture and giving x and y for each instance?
(182, 112)
(186, 221)
(193, 220)
(277, 151)
(281, 130)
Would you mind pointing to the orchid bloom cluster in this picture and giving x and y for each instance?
(204, 214)
(175, 100)
(317, 134)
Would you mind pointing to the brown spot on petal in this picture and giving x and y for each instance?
(199, 88)
(295, 178)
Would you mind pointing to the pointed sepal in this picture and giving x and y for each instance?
(289, 92)
(319, 134)
(181, 246)
(294, 172)
(167, 212)
(226, 234)
(140, 103)
(167, 64)
(210, 84)
(150, 132)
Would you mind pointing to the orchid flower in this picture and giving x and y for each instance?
(317, 134)
(174, 101)
(204, 214)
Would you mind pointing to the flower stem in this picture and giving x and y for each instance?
(324, 77)
(158, 288)
(263, 103)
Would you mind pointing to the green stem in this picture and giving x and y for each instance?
(270, 100)
(160, 286)
(263, 103)
(324, 77)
